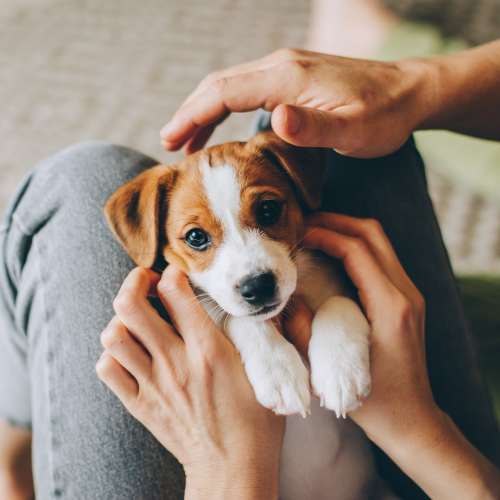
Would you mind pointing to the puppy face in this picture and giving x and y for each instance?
(231, 215)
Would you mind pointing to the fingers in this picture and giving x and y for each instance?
(376, 290)
(199, 139)
(240, 93)
(117, 379)
(120, 344)
(139, 316)
(297, 325)
(201, 136)
(372, 233)
(303, 126)
(183, 307)
(264, 83)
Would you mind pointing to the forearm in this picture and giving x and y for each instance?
(443, 463)
(461, 92)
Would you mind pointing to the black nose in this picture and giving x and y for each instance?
(258, 289)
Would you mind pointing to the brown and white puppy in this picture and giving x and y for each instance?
(233, 217)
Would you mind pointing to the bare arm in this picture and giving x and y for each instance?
(358, 107)
(466, 92)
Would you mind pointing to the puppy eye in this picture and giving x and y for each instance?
(197, 239)
(268, 212)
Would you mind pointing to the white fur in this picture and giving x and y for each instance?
(273, 366)
(323, 456)
(243, 252)
(339, 355)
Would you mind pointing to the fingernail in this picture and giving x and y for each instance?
(292, 121)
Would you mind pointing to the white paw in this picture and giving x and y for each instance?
(339, 356)
(280, 380)
(340, 385)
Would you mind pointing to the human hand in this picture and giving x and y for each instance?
(190, 390)
(358, 107)
(400, 414)
(401, 392)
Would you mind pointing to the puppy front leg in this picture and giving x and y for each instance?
(273, 366)
(339, 355)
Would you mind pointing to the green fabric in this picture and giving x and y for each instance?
(481, 297)
(471, 162)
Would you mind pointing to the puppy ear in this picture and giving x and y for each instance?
(306, 167)
(134, 212)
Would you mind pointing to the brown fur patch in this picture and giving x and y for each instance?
(152, 213)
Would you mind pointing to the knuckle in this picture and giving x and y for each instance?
(288, 54)
(293, 61)
(419, 303)
(219, 85)
(125, 303)
(363, 111)
(137, 276)
(209, 352)
(372, 226)
(356, 246)
(172, 282)
(104, 366)
(403, 310)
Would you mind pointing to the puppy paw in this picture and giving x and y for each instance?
(341, 385)
(339, 356)
(281, 381)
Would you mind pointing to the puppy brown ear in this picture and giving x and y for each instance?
(306, 167)
(134, 213)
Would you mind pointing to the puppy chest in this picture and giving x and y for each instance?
(324, 458)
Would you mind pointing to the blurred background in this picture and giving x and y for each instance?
(72, 70)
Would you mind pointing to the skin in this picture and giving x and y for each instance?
(360, 108)
(176, 386)
(364, 109)
(190, 390)
(16, 482)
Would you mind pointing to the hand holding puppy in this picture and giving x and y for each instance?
(190, 391)
(400, 414)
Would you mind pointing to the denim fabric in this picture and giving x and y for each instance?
(60, 269)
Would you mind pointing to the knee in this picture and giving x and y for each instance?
(76, 181)
(94, 165)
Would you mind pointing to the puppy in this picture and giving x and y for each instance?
(232, 216)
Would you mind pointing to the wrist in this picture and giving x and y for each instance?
(245, 480)
(441, 460)
(423, 101)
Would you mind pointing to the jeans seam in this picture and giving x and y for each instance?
(48, 364)
(17, 222)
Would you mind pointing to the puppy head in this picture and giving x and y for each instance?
(230, 215)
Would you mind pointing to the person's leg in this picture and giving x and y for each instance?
(393, 190)
(61, 269)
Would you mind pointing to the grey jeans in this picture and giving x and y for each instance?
(60, 269)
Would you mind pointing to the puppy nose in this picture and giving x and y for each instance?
(258, 289)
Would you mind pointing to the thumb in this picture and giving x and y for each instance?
(308, 127)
